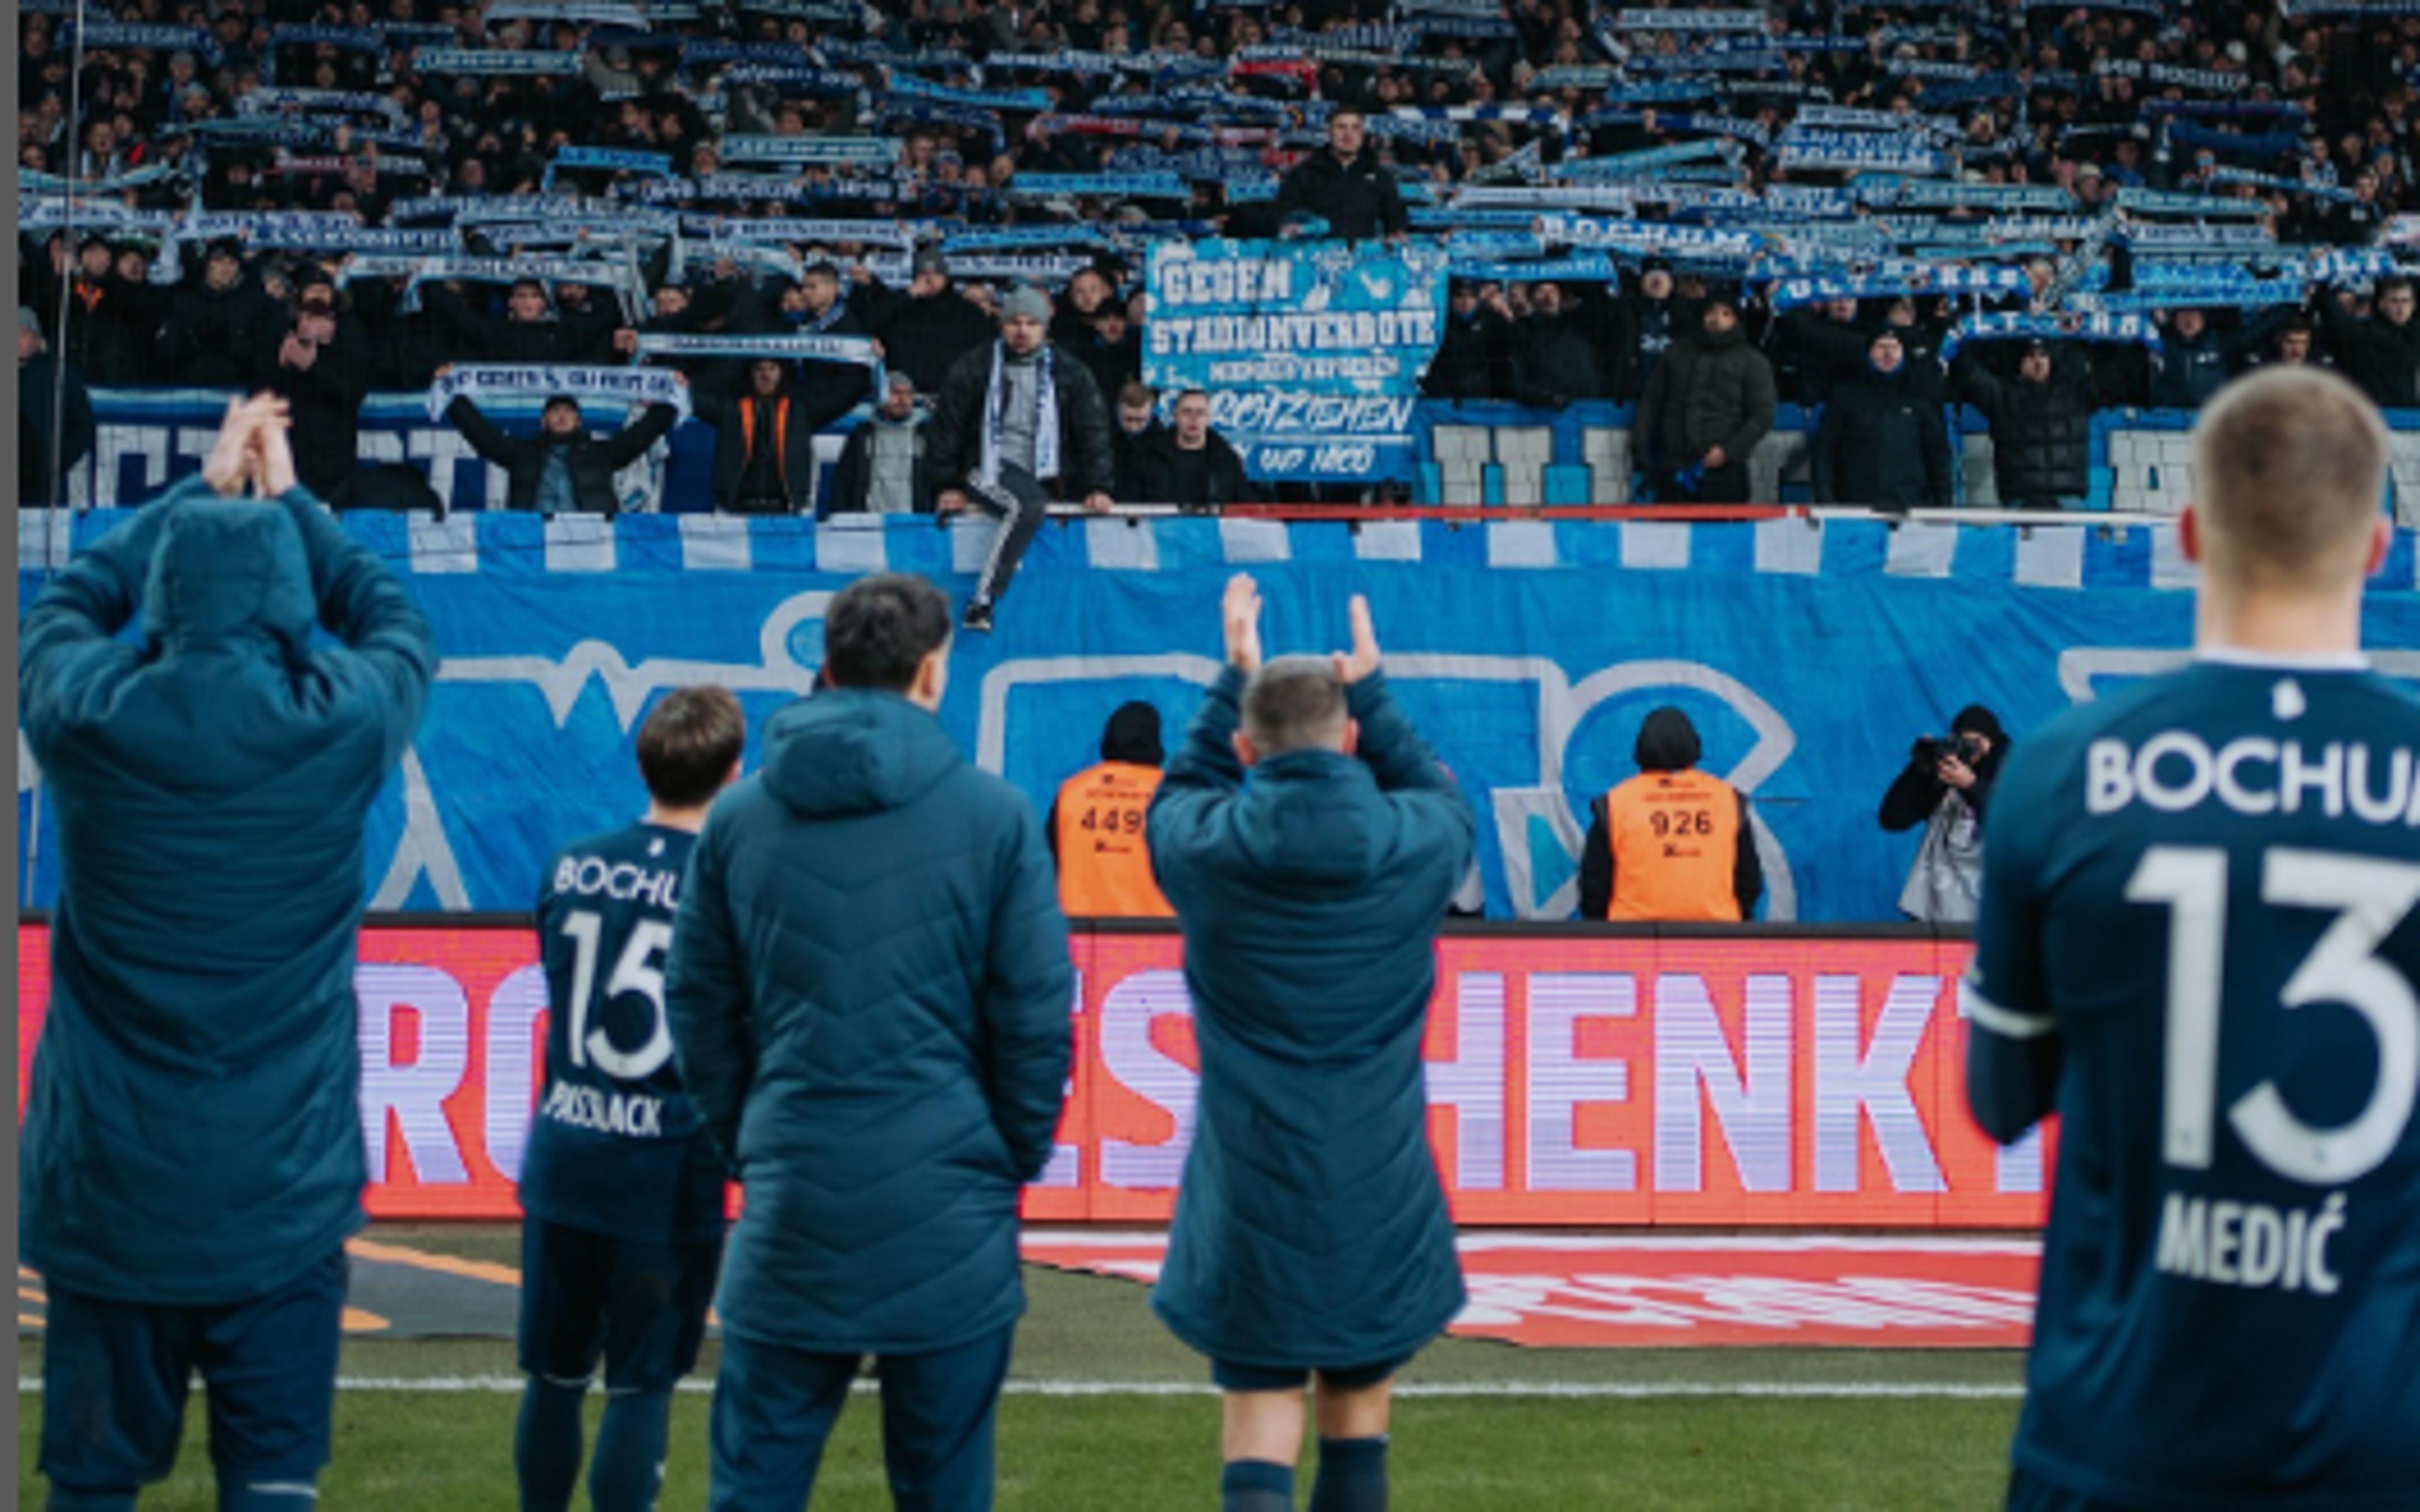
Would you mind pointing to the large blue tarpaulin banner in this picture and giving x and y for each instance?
(1810, 653)
(1311, 352)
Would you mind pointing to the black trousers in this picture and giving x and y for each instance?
(1021, 503)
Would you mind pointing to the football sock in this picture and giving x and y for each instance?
(269, 1496)
(546, 1445)
(1352, 1475)
(629, 1466)
(1256, 1486)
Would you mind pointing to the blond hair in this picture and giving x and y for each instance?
(2289, 476)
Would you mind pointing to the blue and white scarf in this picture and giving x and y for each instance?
(792, 151)
(496, 61)
(1021, 102)
(1046, 417)
(1857, 152)
(1690, 20)
(610, 159)
(478, 381)
(797, 80)
(1589, 268)
(1098, 186)
(802, 347)
(2201, 207)
(2122, 328)
(576, 12)
(2170, 75)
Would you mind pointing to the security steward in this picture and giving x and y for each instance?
(1096, 824)
(1673, 844)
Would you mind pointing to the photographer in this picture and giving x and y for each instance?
(1945, 787)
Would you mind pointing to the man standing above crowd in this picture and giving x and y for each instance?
(869, 996)
(1882, 442)
(1345, 186)
(1018, 421)
(2381, 353)
(1707, 404)
(191, 1161)
(927, 329)
(40, 375)
(321, 367)
(882, 468)
(563, 470)
(764, 443)
(1309, 842)
(621, 1192)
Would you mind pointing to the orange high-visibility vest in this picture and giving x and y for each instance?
(1104, 864)
(1675, 840)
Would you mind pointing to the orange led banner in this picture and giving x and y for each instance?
(1747, 1080)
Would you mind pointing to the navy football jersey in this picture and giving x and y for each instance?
(2200, 933)
(616, 1146)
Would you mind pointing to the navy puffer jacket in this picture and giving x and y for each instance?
(870, 995)
(193, 1130)
(1311, 1229)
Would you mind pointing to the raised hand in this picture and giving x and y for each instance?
(1363, 660)
(235, 460)
(1241, 612)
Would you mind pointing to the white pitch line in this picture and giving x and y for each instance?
(1479, 1390)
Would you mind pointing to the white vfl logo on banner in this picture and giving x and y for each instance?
(425, 850)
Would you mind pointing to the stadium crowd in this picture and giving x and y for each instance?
(2053, 208)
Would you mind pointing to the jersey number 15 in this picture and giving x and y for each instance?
(635, 972)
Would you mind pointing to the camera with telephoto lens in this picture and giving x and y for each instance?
(1931, 750)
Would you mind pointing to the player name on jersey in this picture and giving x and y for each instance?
(2251, 1243)
(2253, 775)
(594, 876)
(628, 1114)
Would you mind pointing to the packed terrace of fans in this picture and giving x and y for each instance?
(594, 182)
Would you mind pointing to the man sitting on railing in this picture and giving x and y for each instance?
(1018, 419)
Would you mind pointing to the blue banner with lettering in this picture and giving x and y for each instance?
(1311, 352)
(1810, 654)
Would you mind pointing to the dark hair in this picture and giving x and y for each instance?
(823, 267)
(879, 629)
(1133, 392)
(688, 743)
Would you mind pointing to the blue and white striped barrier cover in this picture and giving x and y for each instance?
(1528, 651)
(2091, 554)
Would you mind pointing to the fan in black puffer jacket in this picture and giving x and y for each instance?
(2041, 426)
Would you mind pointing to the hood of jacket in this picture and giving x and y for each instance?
(1304, 818)
(1133, 736)
(850, 751)
(1668, 742)
(225, 567)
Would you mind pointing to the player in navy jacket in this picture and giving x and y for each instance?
(192, 1158)
(2197, 946)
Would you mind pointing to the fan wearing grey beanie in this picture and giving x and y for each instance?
(1019, 421)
